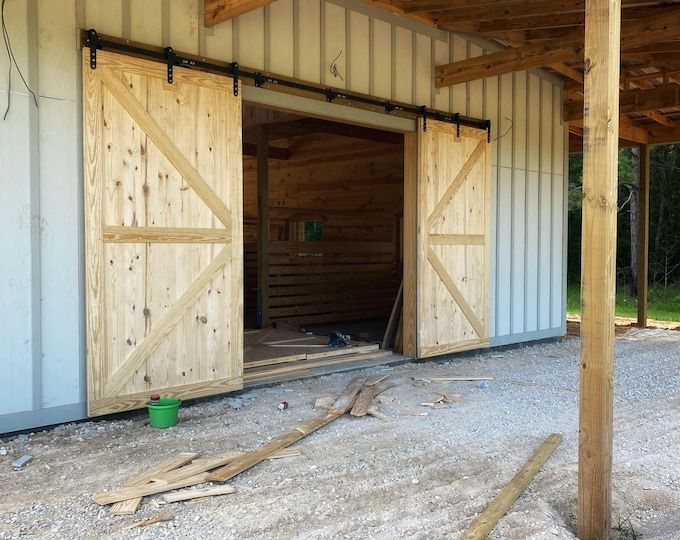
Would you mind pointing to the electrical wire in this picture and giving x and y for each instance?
(12, 60)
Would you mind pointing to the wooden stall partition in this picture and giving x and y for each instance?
(446, 240)
(163, 222)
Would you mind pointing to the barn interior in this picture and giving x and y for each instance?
(323, 219)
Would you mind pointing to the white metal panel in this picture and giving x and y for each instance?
(559, 131)
(545, 250)
(503, 251)
(60, 252)
(281, 42)
(249, 39)
(475, 88)
(183, 19)
(490, 112)
(533, 122)
(557, 267)
(334, 47)
(546, 126)
(105, 17)
(532, 253)
(146, 21)
(308, 50)
(519, 126)
(402, 62)
(381, 77)
(518, 266)
(459, 92)
(506, 120)
(358, 45)
(422, 69)
(219, 42)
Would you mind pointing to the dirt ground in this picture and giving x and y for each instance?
(416, 476)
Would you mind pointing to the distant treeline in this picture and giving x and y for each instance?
(664, 210)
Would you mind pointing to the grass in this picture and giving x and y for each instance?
(625, 529)
(664, 304)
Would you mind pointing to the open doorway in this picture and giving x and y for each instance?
(332, 265)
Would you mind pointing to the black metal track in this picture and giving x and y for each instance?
(94, 41)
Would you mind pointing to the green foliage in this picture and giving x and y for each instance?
(663, 303)
(664, 213)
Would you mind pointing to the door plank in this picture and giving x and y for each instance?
(456, 184)
(114, 85)
(166, 235)
(455, 292)
(166, 322)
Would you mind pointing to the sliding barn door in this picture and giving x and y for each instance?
(446, 249)
(163, 231)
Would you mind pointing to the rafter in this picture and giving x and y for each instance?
(217, 11)
(632, 101)
(637, 33)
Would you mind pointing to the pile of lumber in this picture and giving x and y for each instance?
(187, 469)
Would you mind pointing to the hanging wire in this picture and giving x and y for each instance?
(334, 67)
(507, 130)
(12, 60)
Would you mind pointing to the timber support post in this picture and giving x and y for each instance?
(263, 226)
(643, 238)
(598, 266)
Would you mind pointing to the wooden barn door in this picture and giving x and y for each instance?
(446, 249)
(163, 232)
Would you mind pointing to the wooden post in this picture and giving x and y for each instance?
(598, 265)
(643, 238)
(263, 226)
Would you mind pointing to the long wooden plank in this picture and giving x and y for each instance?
(165, 235)
(151, 128)
(598, 265)
(486, 521)
(130, 506)
(456, 239)
(190, 494)
(342, 405)
(165, 323)
(395, 315)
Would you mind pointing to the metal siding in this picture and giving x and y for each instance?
(382, 54)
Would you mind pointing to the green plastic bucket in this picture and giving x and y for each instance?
(163, 412)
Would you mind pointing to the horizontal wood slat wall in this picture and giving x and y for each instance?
(355, 189)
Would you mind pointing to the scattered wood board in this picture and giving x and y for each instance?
(486, 521)
(343, 404)
(130, 506)
(226, 467)
(393, 322)
(189, 494)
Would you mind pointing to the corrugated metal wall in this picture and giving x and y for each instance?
(41, 276)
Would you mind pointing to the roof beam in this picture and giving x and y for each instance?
(638, 101)
(217, 11)
(637, 33)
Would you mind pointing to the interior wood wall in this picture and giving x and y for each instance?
(355, 189)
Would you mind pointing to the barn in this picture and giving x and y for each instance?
(143, 201)
(189, 184)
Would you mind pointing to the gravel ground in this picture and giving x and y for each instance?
(416, 476)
